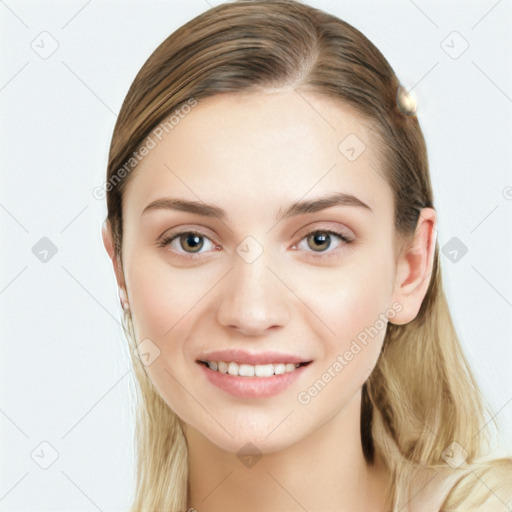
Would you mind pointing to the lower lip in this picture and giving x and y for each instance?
(252, 387)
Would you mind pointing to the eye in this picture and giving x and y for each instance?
(187, 244)
(190, 243)
(320, 240)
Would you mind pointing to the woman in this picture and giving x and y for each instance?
(272, 230)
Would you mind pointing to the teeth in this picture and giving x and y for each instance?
(232, 369)
(280, 368)
(249, 370)
(246, 370)
(264, 370)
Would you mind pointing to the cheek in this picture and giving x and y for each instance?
(347, 299)
(165, 303)
(351, 302)
(163, 298)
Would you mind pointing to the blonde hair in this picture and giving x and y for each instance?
(421, 400)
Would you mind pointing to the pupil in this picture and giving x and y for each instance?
(320, 238)
(193, 240)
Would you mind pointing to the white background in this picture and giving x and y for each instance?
(65, 372)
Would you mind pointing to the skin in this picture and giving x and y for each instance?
(252, 155)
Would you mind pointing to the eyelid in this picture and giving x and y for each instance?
(185, 229)
(332, 227)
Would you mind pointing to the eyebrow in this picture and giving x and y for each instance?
(296, 208)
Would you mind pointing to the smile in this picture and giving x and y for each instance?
(243, 380)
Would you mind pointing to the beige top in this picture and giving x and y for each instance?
(430, 489)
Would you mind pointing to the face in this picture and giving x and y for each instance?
(252, 279)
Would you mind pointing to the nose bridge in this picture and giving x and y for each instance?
(252, 298)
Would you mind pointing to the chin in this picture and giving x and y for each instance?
(253, 445)
(249, 439)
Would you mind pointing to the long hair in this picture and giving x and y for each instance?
(421, 400)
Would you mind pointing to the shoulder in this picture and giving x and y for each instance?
(486, 487)
(483, 486)
(429, 489)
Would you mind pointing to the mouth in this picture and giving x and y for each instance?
(263, 371)
(248, 381)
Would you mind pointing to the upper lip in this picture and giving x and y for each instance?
(244, 357)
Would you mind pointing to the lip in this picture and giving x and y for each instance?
(251, 387)
(244, 357)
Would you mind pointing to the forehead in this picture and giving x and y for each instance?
(280, 144)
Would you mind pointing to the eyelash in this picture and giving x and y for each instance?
(191, 256)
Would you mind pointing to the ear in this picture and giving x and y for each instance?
(414, 268)
(108, 242)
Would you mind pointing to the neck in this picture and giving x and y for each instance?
(324, 471)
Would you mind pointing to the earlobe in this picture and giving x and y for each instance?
(414, 268)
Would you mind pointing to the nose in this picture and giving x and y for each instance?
(253, 300)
